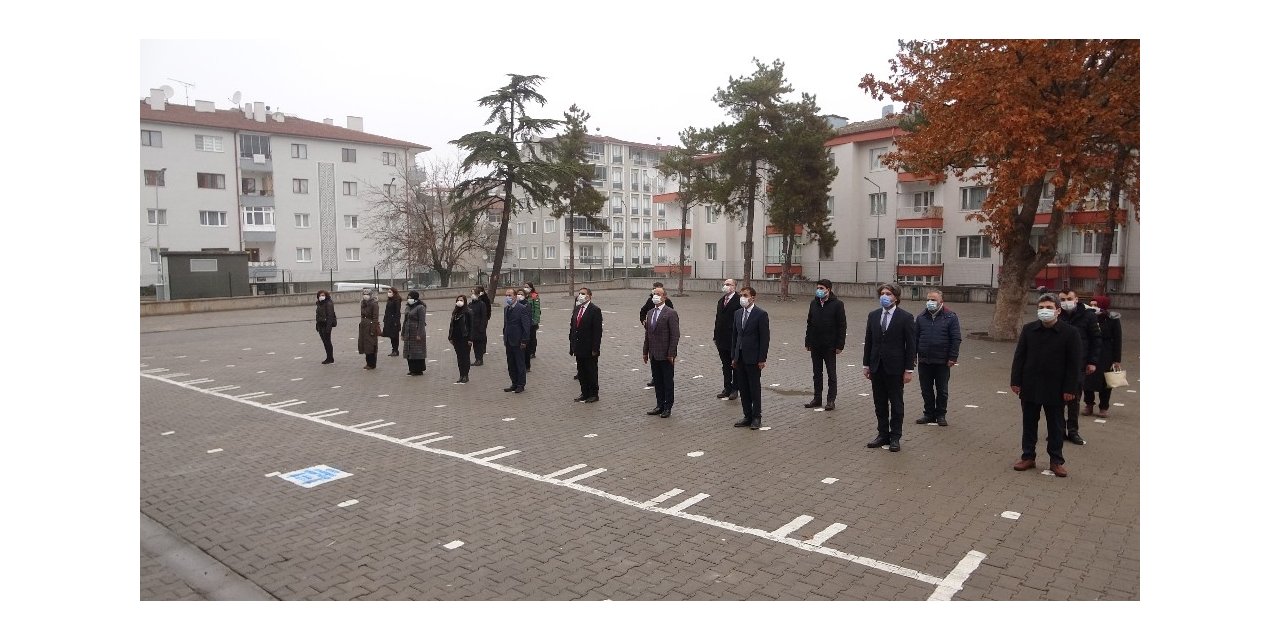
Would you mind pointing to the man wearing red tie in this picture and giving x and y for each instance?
(888, 360)
(586, 325)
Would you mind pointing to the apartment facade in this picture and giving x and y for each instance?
(291, 192)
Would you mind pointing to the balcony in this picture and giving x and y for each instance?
(257, 162)
(260, 233)
(588, 260)
(618, 259)
(259, 198)
(920, 211)
(672, 233)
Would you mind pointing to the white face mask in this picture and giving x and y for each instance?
(1045, 315)
(520, 297)
(458, 303)
(746, 302)
(1068, 305)
(726, 289)
(657, 299)
(475, 297)
(366, 296)
(322, 298)
(582, 298)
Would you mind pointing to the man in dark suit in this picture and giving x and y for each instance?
(1089, 332)
(824, 335)
(750, 349)
(661, 337)
(722, 335)
(644, 313)
(517, 325)
(888, 360)
(1045, 375)
(586, 325)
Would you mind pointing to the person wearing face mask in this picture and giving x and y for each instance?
(824, 335)
(888, 358)
(750, 350)
(586, 326)
(367, 340)
(644, 313)
(414, 335)
(938, 348)
(728, 303)
(326, 320)
(1085, 323)
(391, 320)
(1108, 358)
(1045, 375)
(661, 337)
(460, 336)
(517, 322)
(481, 310)
(535, 307)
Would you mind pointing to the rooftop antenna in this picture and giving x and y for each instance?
(185, 87)
(168, 92)
(235, 98)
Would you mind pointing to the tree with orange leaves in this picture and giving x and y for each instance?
(1017, 115)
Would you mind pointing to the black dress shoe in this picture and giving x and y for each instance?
(666, 413)
(755, 424)
(654, 411)
(329, 361)
(942, 421)
(830, 406)
(510, 388)
(478, 363)
(894, 447)
(1075, 438)
(925, 419)
(464, 380)
(724, 393)
(575, 377)
(579, 398)
(395, 353)
(813, 404)
(519, 389)
(880, 441)
(745, 422)
(592, 399)
(733, 396)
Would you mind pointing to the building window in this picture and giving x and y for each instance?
(259, 216)
(879, 203)
(635, 228)
(151, 138)
(644, 229)
(211, 181)
(925, 281)
(353, 254)
(1090, 242)
(533, 227)
(152, 178)
(304, 254)
(522, 228)
(921, 203)
(350, 222)
(298, 151)
(644, 253)
(389, 158)
(710, 250)
(550, 252)
(348, 188)
(647, 204)
(248, 185)
(877, 159)
(213, 218)
(973, 247)
(524, 253)
(773, 251)
(251, 145)
(618, 255)
(972, 198)
(617, 177)
(549, 225)
(875, 247)
(826, 254)
(299, 185)
(154, 255)
(635, 178)
(348, 155)
(662, 252)
(618, 230)
(662, 209)
(617, 159)
(617, 203)
(648, 184)
(157, 216)
(919, 246)
(209, 143)
(831, 207)
(713, 214)
(595, 151)
(203, 264)
(302, 220)
(601, 174)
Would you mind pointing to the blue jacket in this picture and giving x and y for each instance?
(938, 336)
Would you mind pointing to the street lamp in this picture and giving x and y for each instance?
(877, 217)
(159, 270)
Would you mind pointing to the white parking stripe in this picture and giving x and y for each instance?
(955, 580)
(826, 534)
(276, 404)
(291, 404)
(425, 435)
(316, 413)
(385, 424)
(158, 370)
(565, 470)
(224, 388)
(197, 381)
(787, 528)
(364, 424)
(586, 475)
(476, 453)
(173, 375)
(330, 414)
(689, 502)
(664, 497)
(433, 439)
(502, 455)
(245, 396)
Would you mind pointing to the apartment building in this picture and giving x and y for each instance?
(291, 192)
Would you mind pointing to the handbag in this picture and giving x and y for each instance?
(1115, 378)
(377, 328)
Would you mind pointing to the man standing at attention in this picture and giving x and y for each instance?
(1085, 322)
(1045, 375)
(938, 343)
(722, 335)
(586, 325)
(750, 349)
(824, 335)
(517, 325)
(888, 353)
(661, 337)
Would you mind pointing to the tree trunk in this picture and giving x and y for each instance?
(502, 243)
(1109, 234)
(749, 246)
(444, 275)
(572, 289)
(788, 243)
(1011, 301)
(684, 224)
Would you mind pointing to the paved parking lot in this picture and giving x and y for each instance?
(462, 492)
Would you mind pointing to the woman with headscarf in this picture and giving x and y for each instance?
(460, 336)
(367, 339)
(481, 309)
(1108, 358)
(414, 335)
(391, 320)
(326, 320)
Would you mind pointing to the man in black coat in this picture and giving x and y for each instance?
(1085, 323)
(644, 313)
(722, 335)
(517, 325)
(824, 335)
(750, 349)
(586, 325)
(1045, 375)
(888, 360)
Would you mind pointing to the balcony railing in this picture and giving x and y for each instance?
(588, 260)
(920, 211)
(618, 259)
(635, 235)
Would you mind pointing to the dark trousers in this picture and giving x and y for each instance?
(589, 375)
(478, 346)
(664, 382)
(748, 379)
(1030, 430)
(824, 356)
(1072, 408)
(934, 381)
(371, 359)
(417, 365)
(886, 393)
(463, 351)
(1104, 395)
(327, 340)
(531, 349)
(395, 342)
(726, 367)
(515, 364)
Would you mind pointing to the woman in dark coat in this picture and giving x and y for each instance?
(480, 312)
(367, 340)
(1108, 359)
(414, 334)
(460, 336)
(391, 320)
(326, 320)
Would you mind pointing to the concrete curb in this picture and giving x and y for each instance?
(197, 569)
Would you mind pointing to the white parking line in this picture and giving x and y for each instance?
(331, 414)
(585, 475)
(825, 534)
(291, 404)
(564, 471)
(173, 375)
(197, 381)
(502, 455)
(955, 580)
(158, 370)
(664, 497)
(489, 450)
(385, 424)
(425, 435)
(224, 387)
(787, 528)
(454, 545)
(251, 394)
(689, 502)
(276, 404)
(364, 424)
(317, 413)
(431, 440)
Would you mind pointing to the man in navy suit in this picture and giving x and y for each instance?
(517, 325)
(750, 349)
(888, 358)
(586, 325)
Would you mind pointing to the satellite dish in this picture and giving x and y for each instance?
(235, 97)
(168, 91)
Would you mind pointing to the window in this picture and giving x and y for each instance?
(522, 228)
(644, 229)
(151, 138)
(635, 253)
(211, 181)
(919, 246)
(154, 255)
(973, 247)
(921, 202)
(635, 204)
(348, 155)
(618, 229)
(209, 143)
(152, 178)
(826, 253)
(635, 228)
(877, 159)
(618, 256)
(972, 198)
(662, 252)
(550, 252)
(248, 185)
(927, 281)
(595, 151)
(602, 173)
(203, 264)
(298, 151)
(617, 203)
(637, 156)
(875, 248)
(648, 202)
(617, 177)
(348, 188)
(662, 209)
(648, 184)
(213, 218)
(635, 178)
(389, 158)
(302, 220)
(879, 203)
(259, 216)
(353, 254)
(549, 225)
(304, 254)
(251, 145)
(644, 253)
(773, 253)
(713, 214)
(1091, 242)
(524, 253)
(350, 222)
(299, 185)
(157, 216)
(617, 159)
(533, 227)
(831, 207)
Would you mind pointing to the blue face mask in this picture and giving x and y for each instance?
(821, 293)
(886, 301)
(510, 300)
(931, 305)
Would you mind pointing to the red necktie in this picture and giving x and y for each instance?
(578, 322)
